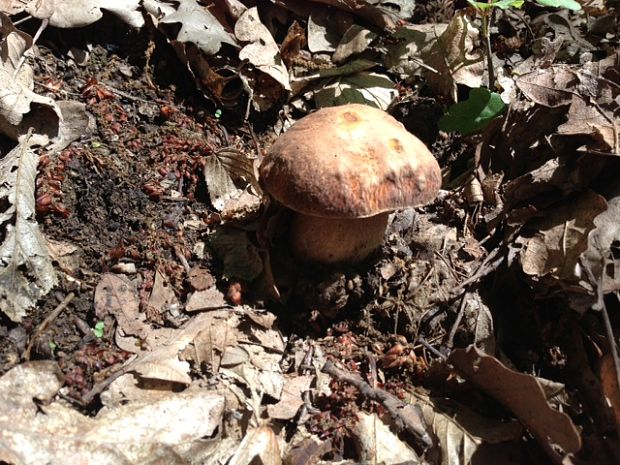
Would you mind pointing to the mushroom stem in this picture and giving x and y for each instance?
(336, 240)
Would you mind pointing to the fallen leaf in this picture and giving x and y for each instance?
(354, 41)
(49, 432)
(519, 393)
(162, 296)
(377, 444)
(241, 258)
(262, 50)
(206, 300)
(26, 270)
(374, 89)
(609, 385)
(561, 236)
(259, 445)
(69, 14)
(188, 21)
(453, 59)
(461, 431)
(291, 398)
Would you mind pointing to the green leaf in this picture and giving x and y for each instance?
(568, 4)
(473, 114)
(99, 329)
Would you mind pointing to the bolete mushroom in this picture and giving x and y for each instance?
(342, 170)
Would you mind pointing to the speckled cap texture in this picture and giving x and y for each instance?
(351, 161)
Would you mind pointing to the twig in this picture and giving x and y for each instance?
(430, 348)
(608, 328)
(489, 264)
(405, 416)
(100, 386)
(457, 322)
(45, 323)
(42, 27)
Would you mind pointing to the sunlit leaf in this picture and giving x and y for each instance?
(568, 4)
(473, 114)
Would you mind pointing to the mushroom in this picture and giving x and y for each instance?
(342, 170)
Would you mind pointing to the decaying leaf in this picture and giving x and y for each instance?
(521, 394)
(605, 235)
(26, 271)
(223, 172)
(590, 90)
(49, 432)
(462, 431)
(377, 444)
(188, 21)
(561, 236)
(355, 40)
(69, 14)
(372, 89)
(291, 399)
(453, 58)
(259, 445)
(18, 102)
(262, 50)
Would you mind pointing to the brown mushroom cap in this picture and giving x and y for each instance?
(350, 161)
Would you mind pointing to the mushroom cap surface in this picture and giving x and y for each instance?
(351, 161)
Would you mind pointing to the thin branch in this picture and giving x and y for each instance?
(405, 416)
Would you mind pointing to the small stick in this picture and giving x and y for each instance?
(457, 322)
(45, 323)
(405, 416)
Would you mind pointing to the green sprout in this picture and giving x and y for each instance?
(99, 329)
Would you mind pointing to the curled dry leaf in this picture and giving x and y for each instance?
(262, 50)
(453, 58)
(17, 82)
(522, 395)
(26, 271)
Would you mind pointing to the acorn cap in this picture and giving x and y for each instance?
(351, 161)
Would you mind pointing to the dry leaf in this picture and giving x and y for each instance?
(561, 236)
(258, 446)
(377, 444)
(26, 271)
(49, 431)
(206, 300)
(461, 431)
(355, 40)
(162, 296)
(453, 58)
(291, 398)
(521, 394)
(609, 385)
(188, 21)
(69, 14)
(262, 50)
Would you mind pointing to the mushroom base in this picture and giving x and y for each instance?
(335, 240)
